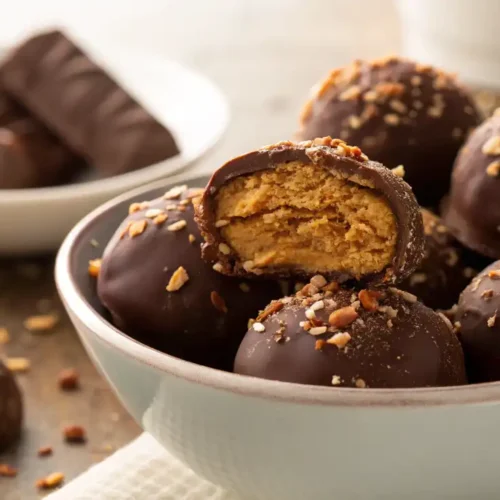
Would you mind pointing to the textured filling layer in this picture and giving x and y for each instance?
(300, 216)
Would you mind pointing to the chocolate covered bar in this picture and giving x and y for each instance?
(85, 106)
(30, 156)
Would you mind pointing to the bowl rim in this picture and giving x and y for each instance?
(74, 301)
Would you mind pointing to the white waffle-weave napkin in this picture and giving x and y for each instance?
(142, 470)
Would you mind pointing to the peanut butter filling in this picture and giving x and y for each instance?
(301, 216)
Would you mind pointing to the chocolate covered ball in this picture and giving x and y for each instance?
(478, 323)
(11, 409)
(472, 210)
(445, 269)
(158, 289)
(349, 338)
(298, 209)
(398, 112)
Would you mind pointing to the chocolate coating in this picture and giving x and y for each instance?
(479, 325)
(398, 112)
(11, 409)
(30, 156)
(445, 269)
(472, 210)
(398, 343)
(335, 156)
(204, 320)
(84, 106)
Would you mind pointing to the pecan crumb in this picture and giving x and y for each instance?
(177, 226)
(45, 451)
(360, 383)
(178, 279)
(218, 302)
(74, 434)
(7, 470)
(94, 267)
(339, 339)
(68, 379)
(41, 323)
(17, 365)
(319, 344)
(369, 299)
(270, 309)
(342, 317)
(4, 336)
(51, 481)
(399, 171)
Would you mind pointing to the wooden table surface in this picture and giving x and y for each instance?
(265, 55)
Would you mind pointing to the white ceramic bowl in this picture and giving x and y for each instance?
(37, 220)
(271, 440)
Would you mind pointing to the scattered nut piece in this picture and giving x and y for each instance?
(492, 146)
(218, 302)
(7, 470)
(350, 93)
(493, 169)
(160, 219)
(4, 336)
(487, 294)
(492, 320)
(137, 228)
(369, 299)
(336, 380)
(45, 451)
(333, 286)
(174, 192)
(178, 279)
(192, 238)
(136, 207)
(270, 309)
(218, 267)
(318, 330)
(259, 327)
(407, 296)
(318, 305)
(399, 171)
(41, 323)
(318, 281)
(94, 267)
(74, 434)
(391, 119)
(153, 212)
(319, 344)
(339, 339)
(69, 379)
(221, 223)
(494, 274)
(18, 365)
(177, 226)
(224, 249)
(51, 481)
(342, 317)
(398, 106)
(360, 383)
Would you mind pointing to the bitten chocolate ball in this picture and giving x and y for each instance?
(11, 409)
(347, 338)
(398, 112)
(158, 290)
(472, 210)
(298, 209)
(478, 323)
(445, 269)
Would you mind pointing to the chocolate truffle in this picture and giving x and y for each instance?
(472, 210)
(298, 209)
(398, 112)
(348, 338)
(30, 156)
(158, 289)
(478, 323)
(77, 99)
(11, 409)
(445, 269)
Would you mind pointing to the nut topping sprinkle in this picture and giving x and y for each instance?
(178, 280)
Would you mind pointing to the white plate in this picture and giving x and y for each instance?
(196, 112)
